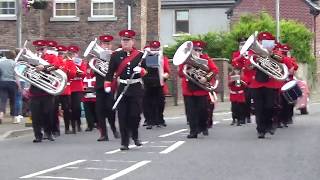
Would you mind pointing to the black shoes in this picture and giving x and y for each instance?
(103, 138)
(70, 132)
(137, 142)
(88, 129)
(124, 148)
(261, 135)
(205, 132)
(192, 136)
(144, 123)
(272, 131)
(116, 134)
(50, 137)
(37, 140)
(149, 127)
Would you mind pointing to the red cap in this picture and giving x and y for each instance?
(39, 43)
(199, 44)
(265, 36)
(155, 44)
(106, 38)
(127, 33)
(74, 49)
(285, 47)
(52, 43)
(62, 48)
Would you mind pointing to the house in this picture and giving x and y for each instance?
(304, 11)
(80, 21)
(192, 17)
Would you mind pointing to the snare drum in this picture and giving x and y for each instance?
(291, 91)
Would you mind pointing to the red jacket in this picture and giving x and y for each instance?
(70, 69)
(166, 69)
(186, 91)
(77, 82)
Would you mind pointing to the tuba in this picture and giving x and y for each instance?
(267, 63)
(53, 82)
(99, 62)
(196, 69)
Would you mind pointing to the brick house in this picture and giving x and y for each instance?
(304, 11)
(79, 22)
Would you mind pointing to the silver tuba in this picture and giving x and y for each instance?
(265, 62)
(196, 69)
(53, 82)
(100, 57)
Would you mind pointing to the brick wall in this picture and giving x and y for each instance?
(37, 25)
(153, 29)
(289, 9)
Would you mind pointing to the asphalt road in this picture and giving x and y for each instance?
(228, 153)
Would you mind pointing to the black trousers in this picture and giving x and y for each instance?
(197, 114)
(129, 111)
(65, 101)
(90, 113)
(153, 105)
(42, 110)
(8, 89)
(247, 105)
(238, 110)
(104, 105)
(264, 102)
(76, 107)
(286, 112)
(210, 110)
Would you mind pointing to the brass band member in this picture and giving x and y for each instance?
(126, 64)
(196, 98)
(105, 100)
(154, 99)
(42, 103)
(77, 85)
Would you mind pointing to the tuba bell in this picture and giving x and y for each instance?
(267, 63)
(100, 57)
(196, 69)
(53, 82)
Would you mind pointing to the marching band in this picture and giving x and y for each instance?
(131, 82)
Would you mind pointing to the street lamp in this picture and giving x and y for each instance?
(278, 19)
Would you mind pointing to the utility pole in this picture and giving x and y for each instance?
(278, 19)
(19, 22)
(129, 16)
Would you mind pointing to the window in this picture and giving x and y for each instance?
(7, 8)
(102, 8)
(182, 21)
(64, 8)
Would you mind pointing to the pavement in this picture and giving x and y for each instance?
(10, 130)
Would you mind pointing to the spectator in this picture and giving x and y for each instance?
(9, 84)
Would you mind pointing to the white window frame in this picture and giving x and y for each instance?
(9, 16)
(64, 1)
(175, 23)
(103, 1)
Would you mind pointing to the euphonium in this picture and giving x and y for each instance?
(195, 69)
(267, 63)
(99, 61)
(52, 82)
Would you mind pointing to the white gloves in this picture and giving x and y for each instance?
(107, 89)
(137, 69)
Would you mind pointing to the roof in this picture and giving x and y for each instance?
(167, 4)
(314, 7)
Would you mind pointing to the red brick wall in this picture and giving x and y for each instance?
(289, 9)
(37, 25)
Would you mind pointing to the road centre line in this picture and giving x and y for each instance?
(172, 147)
(118, 150)
(52, 169)
(172, 133)
(104, 169)
(54, 177)
(127, 170)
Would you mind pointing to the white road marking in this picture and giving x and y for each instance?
(227, 119)
(118, 150)
(104, 169)
(221, 113)
(52, 169)
(167, 141)
(172, 133)
(216, 122)
(158, 146)
(175, 117)
(127, 170)
(113, 160)
(72, 167)
(53, 177)
(96, 160)
(172, 147)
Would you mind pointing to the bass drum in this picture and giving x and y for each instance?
(291, 91)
